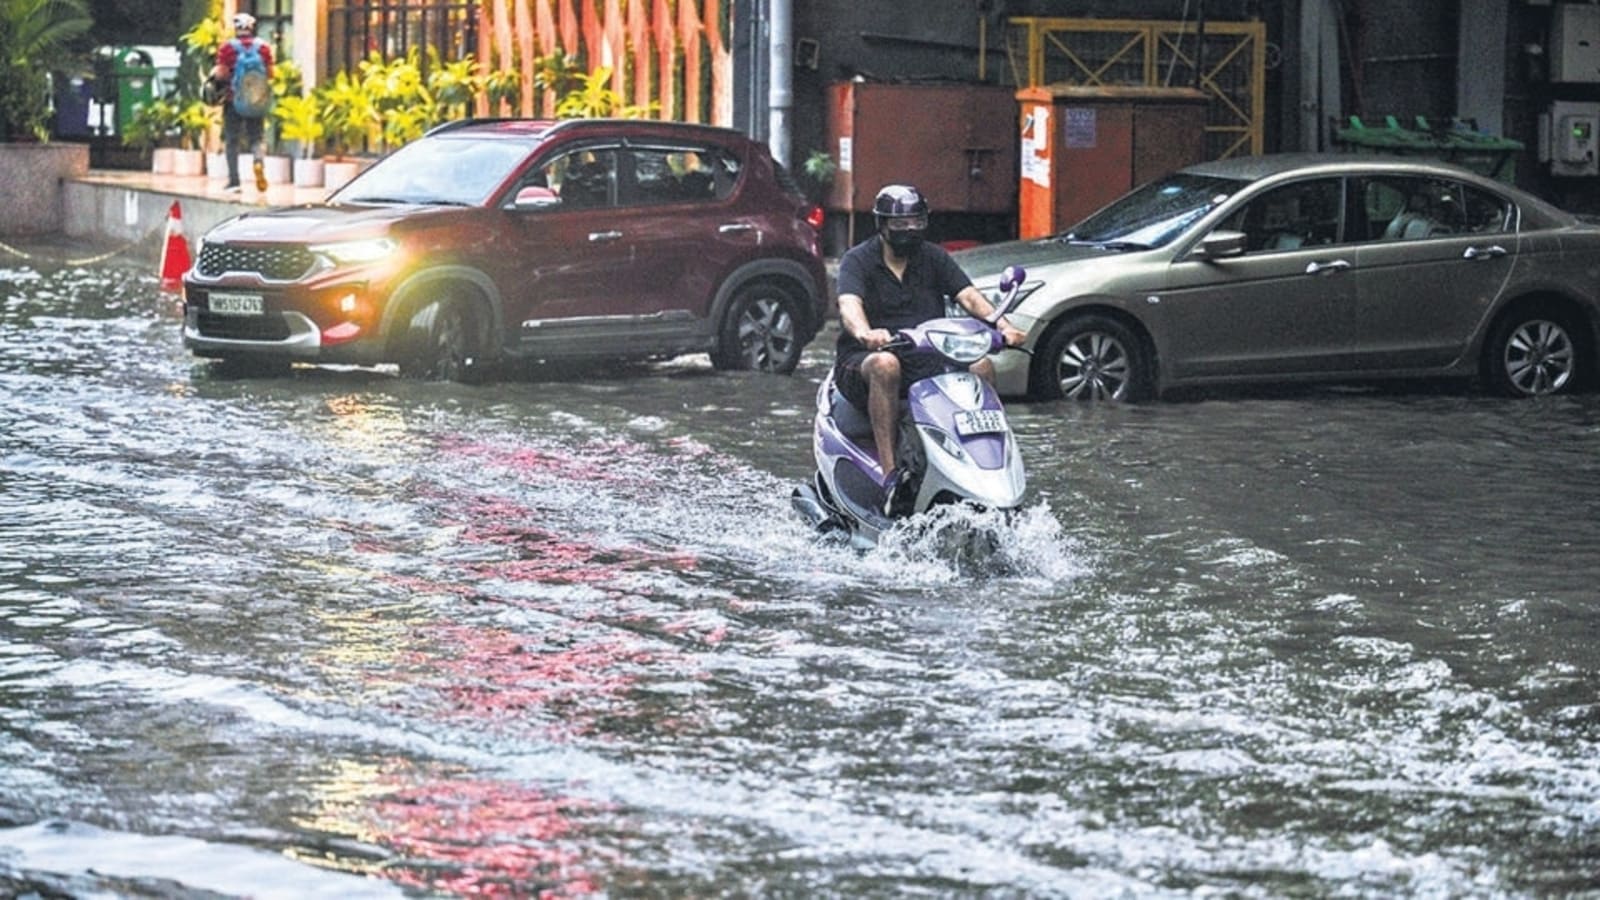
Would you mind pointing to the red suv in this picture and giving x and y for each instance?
(494, 240)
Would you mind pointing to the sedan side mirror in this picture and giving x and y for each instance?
(1220, 245)
(535, 197)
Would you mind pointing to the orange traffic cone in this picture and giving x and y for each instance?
(175, 252)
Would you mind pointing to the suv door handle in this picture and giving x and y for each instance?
(731, 227)
(1327, 268)
(600, 237)
(1490, 252)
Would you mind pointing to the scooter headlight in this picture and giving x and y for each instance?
(962, 347)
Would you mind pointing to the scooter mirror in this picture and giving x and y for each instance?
(1011, 277)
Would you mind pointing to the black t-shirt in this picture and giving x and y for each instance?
(931, 275)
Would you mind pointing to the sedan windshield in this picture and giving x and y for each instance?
(452, 170)
(1155, 213)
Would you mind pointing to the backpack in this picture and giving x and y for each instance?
(252, 89)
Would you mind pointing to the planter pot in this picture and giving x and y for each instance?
(162, 160)
(308, 173)
(280, 169)
(217, 166)
(336, 172)
(30, 179)
(188, 162)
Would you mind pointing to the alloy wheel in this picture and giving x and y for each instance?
(766, 334)
(1095, 366)
(1539, 357)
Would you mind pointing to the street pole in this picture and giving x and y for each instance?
(780, 94)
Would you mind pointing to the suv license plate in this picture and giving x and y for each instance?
(224, 304)
(980, 421)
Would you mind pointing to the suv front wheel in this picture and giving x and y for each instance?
(760, 331)
(447, 338)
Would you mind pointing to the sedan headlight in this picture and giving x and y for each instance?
(368, 250)
(961, 346)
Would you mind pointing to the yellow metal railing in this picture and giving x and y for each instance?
(1151, 53)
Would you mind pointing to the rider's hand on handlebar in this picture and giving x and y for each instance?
(1014, 337)
(876, 339)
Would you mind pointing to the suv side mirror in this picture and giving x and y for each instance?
(535, 197)
(1220, 245)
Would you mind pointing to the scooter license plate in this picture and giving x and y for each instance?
(980, 421)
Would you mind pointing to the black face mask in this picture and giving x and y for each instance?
(903, 242)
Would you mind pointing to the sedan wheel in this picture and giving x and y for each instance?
(1533, 356)
(1093, 358)
(760, 333)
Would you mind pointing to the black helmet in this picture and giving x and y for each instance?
(901, 213)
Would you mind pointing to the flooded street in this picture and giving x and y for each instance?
(337, 634)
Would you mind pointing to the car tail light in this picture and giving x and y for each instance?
(814, 216)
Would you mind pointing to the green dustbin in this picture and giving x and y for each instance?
(134, 73)
(1458, 143)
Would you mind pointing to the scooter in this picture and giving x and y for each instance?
(953, 444)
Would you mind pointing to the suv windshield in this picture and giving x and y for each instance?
(457, 169)
(1156, 213)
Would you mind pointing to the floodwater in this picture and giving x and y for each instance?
(342, 635)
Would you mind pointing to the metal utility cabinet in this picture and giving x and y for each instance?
(1082, 147)
(955, 142)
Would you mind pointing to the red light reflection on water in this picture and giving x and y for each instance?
(484, 838)
(507, 678)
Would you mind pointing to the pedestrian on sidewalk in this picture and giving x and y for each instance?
(244, 64)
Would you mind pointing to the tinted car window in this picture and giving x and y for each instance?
(1486, 212)
(1156, 213)
(662, 175)
(582, 179)
(1303, 214)
(1404, 208)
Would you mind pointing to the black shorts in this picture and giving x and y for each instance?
(847, 373)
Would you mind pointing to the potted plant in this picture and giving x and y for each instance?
(150, 128)
(200, 44)
(817, 173)
(194, 121)
(350, 118)
(287, 84)
(300, 120)
(453, 88)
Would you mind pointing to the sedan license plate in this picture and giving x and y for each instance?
(226, 304)
(980, 421)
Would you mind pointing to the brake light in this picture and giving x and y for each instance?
(814, 217)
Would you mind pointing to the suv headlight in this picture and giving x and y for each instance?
(367, 250)
(963, 347)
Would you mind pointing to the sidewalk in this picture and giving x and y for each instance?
(205, 187)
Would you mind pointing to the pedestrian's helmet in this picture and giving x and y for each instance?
(244, 23)
(901, 213)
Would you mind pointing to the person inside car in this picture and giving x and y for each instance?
(892, 280)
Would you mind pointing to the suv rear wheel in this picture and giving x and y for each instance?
(761, 331)
(446, 338)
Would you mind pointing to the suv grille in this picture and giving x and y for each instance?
(276, 263)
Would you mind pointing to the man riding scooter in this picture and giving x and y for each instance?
(892, 280)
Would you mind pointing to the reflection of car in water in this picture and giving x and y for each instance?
(525, 239)
(1305, 268)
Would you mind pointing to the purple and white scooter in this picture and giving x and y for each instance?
(954, 443)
